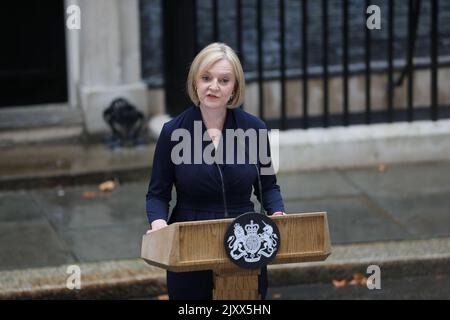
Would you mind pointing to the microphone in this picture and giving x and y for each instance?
(260, 190)
(258, 175)
(223, 191)
(259, 185)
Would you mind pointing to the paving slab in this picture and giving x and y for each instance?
(425, 216)
(316, 184)
(402, 180)
(120, 241)
(71, 208)
(18, 206)
(352, 220)
(31, 244)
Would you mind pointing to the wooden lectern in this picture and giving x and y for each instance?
(198, 245)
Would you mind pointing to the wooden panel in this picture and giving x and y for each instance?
(203, 241)
(236, 285)
(236, 295)
(160, 248)
(236, 282)
(301, 235)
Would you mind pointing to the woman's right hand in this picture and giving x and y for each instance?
(157, 224)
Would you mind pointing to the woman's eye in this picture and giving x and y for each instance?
(225, 81)
(205, 78)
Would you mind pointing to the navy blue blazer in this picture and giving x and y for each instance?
(199, 186)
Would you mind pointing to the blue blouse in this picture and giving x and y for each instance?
(199, 186)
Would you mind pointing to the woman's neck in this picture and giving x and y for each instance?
(213, 118)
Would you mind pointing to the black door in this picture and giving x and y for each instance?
(179, 51)
(33, 57)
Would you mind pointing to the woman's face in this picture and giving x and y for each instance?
(215, 86)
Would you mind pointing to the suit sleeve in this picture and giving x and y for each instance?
(160, 187)
(272, 200)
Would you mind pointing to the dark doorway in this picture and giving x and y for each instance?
(33, 55)
(179, 51)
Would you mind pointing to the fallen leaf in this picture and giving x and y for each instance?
(276, 296)
(107, 186)
(382, 168)
(358, 280)
(340, 283)
(162, 297)
(89, 194)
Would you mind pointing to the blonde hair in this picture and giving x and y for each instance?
(205, 59)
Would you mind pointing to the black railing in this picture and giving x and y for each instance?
(434, 59)
(326, 104)
(390, 90)
(304, 27)
(321, 36)
(367, 73)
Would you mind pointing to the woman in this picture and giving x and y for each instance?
(205, 191)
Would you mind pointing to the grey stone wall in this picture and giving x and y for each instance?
(151, 34)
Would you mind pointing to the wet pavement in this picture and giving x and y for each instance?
(41, 227)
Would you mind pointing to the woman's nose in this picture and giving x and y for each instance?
(214, 85)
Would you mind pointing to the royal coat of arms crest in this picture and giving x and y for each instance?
(253, 241)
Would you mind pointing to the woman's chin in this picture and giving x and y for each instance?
(213, 105)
